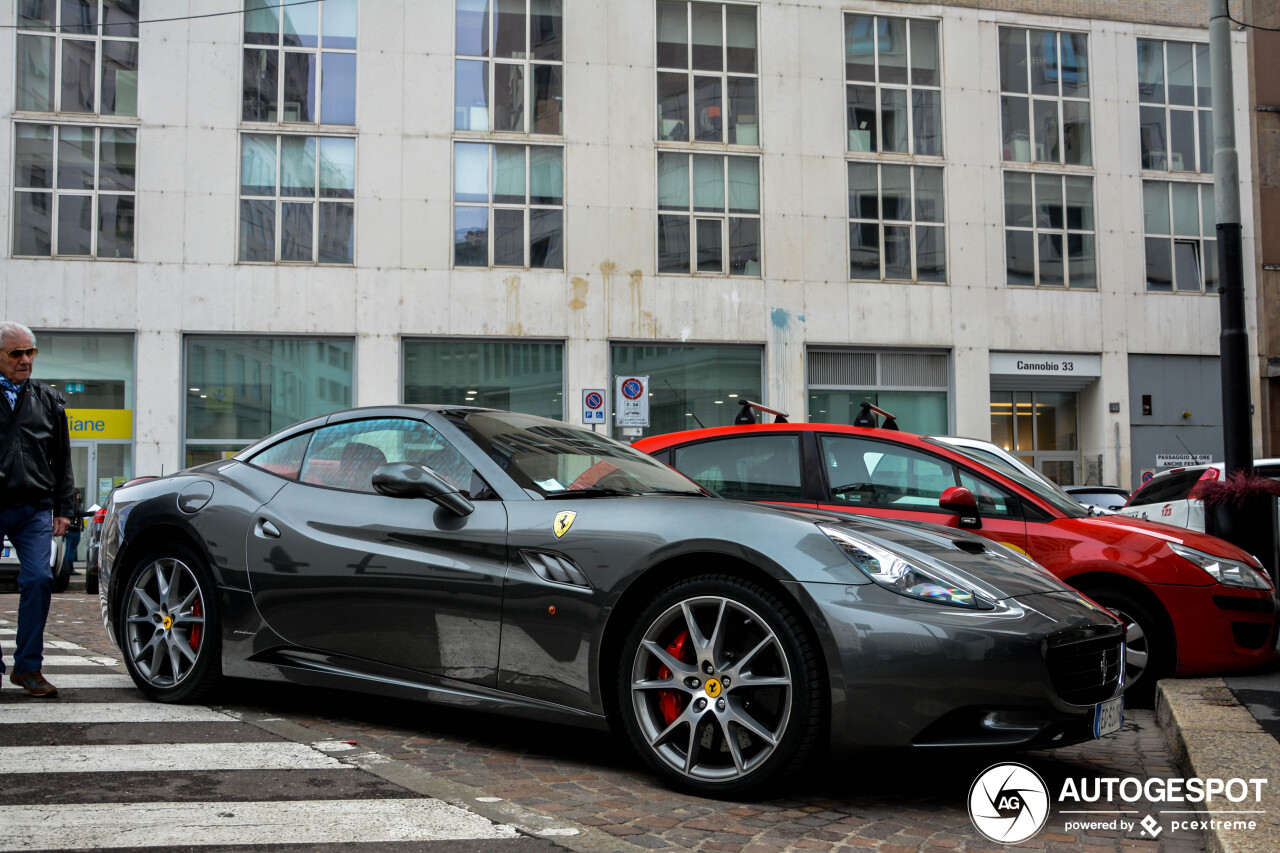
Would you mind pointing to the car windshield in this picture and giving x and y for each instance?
(1048, 492)
(556, 459)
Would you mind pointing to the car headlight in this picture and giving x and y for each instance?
(1224, 571)
(900, 575)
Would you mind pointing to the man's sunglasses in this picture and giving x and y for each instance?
(16, 354)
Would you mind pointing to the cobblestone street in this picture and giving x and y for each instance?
(888, 802)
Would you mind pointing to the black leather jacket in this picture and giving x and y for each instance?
(35, 469)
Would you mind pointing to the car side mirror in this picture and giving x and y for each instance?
(961, 501)
(407, 480)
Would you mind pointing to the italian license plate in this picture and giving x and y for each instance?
(1107, 717)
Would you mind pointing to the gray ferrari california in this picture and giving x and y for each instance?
(518, 565)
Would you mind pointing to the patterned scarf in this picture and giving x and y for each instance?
(11, 390)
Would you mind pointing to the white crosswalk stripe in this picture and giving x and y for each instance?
(166, 757)
(260, 824)
(89, 681)
(108, 825)
(109, 712)
(57, 661)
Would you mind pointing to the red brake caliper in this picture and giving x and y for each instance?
(197, 630)
(671, 702)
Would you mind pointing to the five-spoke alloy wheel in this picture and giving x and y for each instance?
(719, 687)
(170, 626)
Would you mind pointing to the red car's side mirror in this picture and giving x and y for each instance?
(961, 501)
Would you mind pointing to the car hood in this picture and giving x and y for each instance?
(1150, 537)
(988, 568)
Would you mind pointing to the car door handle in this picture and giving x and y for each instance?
(266, 529)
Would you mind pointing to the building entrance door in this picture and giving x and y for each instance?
(1040, 427)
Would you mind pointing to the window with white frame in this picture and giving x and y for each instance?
(508, 205)
(1049, 230)
(1044, 100)
(78, 56)
(509, 66)
(893, 94)
(1175, 106)
(1182, 249)
(297, 199)
(300, 62)
(896, 216)
(708, 214)
(707, 57)
(74, 191)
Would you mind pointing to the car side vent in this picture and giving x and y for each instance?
(555, 568)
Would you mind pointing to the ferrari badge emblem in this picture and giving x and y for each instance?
(712, 687)
(564, 520)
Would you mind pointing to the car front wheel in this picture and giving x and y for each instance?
(169, 626)
(719, 687)
(1149, 651)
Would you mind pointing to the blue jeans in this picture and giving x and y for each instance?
(30, 529)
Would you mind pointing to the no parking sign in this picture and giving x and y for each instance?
(632, 401)
(593, 406)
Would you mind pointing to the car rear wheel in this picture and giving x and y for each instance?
(1149, 654)
(90, 581)
(719, 687)
(169, 626)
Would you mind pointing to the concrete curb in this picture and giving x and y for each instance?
(1214, 736)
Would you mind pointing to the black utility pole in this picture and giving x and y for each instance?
(1237, 421)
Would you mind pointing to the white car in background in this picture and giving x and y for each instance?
(61, 570)
(1166, 496)
(997, 457)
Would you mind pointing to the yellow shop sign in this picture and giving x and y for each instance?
(100, 423)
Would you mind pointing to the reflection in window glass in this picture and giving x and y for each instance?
(242, 389)
(890, 106)
(305, 51)
(1188, 262)
(749, 467)
(888, 207)
(519, 376)
(297, 216)
(97, 67)
(1049, 230)
(92, 214)
(522, 188)
(719, 41)
(685, 382)
(1054, 125)
(509, 66)
(1176, 113)
(728, 188)
(863, 472)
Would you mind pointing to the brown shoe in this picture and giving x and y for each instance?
(34, 683)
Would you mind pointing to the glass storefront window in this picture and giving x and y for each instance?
(95, 373)
(515, 376)
(691, 386)
(913, 386)
(919, 412)
(241, 389)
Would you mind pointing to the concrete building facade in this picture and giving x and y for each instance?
(974, 215)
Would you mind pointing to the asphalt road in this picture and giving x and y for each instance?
(512, 784)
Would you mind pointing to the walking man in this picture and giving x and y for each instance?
(36, 494)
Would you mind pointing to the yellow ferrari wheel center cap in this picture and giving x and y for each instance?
(712, 687)
(168, 622)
